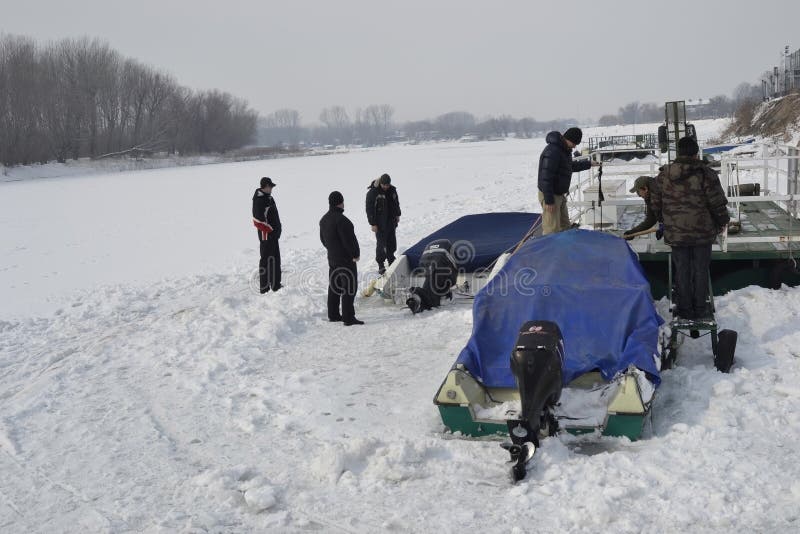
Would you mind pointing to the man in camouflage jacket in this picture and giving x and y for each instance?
(689, 200)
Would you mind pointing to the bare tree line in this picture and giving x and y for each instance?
(78, 97)
(716, 107)
(374, 125)
(456, 124)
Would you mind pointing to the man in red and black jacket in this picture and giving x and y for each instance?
(268, 226)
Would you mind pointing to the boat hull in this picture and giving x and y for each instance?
(621, 407)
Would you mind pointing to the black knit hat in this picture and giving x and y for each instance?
(574, 134)
(385, 179)
(266, 181)
(687, 146)
(335, 198)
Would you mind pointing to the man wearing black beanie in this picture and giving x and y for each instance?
(338, 237)
(555, 174)
(691, 203)
(268, 226)
(383, 215)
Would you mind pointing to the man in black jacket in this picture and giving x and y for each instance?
(338, 237)
(555, 174)
(383, 214)
(268, 226)
(642, 187)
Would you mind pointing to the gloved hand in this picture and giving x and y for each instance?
(660, 231)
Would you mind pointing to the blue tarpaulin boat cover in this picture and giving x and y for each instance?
(724, 148)
(478, 239)
(591, 285)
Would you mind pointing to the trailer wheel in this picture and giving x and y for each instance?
(723, 359)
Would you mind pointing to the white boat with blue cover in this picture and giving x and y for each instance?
(456, 260)
(565, 336)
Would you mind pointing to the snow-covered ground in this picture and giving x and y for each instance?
(84, 167)
(145, 387)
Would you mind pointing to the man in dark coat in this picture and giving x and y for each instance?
(689, 200)
(642, 187)
(338, 237)
(555, 174)
(383, 214)
(268, 226)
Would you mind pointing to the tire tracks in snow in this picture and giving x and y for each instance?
(28, 485)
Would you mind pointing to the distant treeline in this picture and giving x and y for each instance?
(374, 125)
(78, 97)
(716, 107)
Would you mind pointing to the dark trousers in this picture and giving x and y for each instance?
(269, 267)
(386, 244)
(342, 285)
(691, 280)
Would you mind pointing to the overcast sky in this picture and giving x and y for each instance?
(544, 60)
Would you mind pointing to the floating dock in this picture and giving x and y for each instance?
(762, 249)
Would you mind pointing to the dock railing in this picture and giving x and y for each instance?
(612, 169)
(779, 182)
(778, 176)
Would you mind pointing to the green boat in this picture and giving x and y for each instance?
(557, 345)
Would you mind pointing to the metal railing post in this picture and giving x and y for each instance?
(793, 176)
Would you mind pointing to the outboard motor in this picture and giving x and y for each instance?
(439, 268)
(537, 363)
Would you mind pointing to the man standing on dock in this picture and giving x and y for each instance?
(555, 174)
(689, 200)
